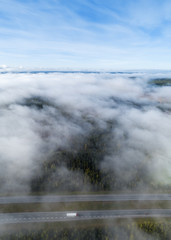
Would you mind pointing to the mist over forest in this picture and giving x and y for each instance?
(85, 132)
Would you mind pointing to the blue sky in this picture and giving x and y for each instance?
(86, 34)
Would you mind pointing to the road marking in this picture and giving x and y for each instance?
(50, 217)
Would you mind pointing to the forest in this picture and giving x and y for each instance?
(83, 170)
(161, 82)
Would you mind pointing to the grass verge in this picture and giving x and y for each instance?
(78, 206)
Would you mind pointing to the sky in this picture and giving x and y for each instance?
(86, 34)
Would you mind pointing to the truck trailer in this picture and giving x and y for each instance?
(71, 214)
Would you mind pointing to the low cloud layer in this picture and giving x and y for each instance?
(43, 114)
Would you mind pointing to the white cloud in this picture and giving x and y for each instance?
(29, 134)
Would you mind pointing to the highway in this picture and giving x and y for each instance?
(32, 217)
(85, 198)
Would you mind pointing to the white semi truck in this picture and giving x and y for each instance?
(72, 214)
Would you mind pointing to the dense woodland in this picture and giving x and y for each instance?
(161, 82)
(79, 167)
(84, 169)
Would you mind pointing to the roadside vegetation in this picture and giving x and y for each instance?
(81, 206)
(145, 229)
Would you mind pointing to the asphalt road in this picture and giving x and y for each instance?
(85, 198)
(82, 215)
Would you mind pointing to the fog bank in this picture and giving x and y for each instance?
(44, 115)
